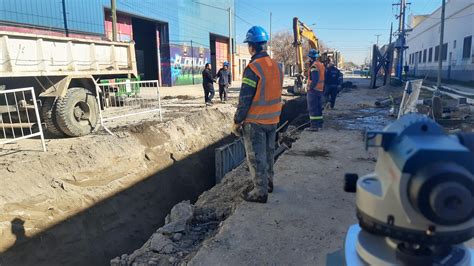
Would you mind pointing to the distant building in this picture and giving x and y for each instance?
(173, 39)
(242, 58)
(457, 50)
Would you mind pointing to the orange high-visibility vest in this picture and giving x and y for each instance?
(266, 105)
(321, 69)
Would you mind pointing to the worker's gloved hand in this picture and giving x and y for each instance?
(237, 129)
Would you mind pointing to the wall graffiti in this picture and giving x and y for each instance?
(187, 64)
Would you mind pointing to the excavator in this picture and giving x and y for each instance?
(300, 31)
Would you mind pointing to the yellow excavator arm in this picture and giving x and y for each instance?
(300, 31)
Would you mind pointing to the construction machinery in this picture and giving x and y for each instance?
(63, 72)
(302, 31)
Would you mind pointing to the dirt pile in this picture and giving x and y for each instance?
(89, 199)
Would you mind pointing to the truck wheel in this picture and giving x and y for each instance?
(77, 113)
(48, 114)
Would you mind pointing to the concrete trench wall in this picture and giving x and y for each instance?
(69, 210)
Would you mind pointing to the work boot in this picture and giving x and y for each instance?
(254, 196)
(270, 186)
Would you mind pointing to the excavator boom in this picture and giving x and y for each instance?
(300, 31)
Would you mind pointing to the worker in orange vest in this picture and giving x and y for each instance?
(258, 114)
(316, 73)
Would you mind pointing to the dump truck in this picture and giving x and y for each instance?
(63, 72)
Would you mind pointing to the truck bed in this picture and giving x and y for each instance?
(23, 55)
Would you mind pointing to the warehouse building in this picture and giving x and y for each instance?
(457, 50)
(174, 39)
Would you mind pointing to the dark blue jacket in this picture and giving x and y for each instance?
(224, 77)
(333, 76)
(247, 91)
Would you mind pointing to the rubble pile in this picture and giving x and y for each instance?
(188, 225)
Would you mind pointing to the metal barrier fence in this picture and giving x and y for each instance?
(19, 116)
(128, 99)
(229, 157)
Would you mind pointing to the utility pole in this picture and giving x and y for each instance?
(192, 61)
(378, 35)
(66, 29)
(391, 33)
(440, 50)
(271, 44)
(113, 6)
(231, 50)
(401, 35)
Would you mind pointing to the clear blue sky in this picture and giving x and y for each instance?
(347, 25)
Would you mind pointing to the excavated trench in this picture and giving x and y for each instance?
(125, 219)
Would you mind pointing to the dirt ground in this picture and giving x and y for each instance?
(306, 217)
(89, 199)
(327, 155)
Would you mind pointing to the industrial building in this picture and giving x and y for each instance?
(457, 50)
(173, 39)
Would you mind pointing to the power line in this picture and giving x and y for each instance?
(467, 15)
(220, 8)
(242, 19)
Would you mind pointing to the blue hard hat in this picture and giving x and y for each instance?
(226, 63)
(313, 53)
(256, 34)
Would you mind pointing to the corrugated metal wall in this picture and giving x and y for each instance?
(188, 20)
(229, 157)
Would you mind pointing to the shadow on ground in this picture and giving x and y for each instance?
(119, 224)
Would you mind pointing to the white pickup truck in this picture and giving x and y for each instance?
(63, 72)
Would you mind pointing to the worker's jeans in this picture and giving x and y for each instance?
(259, 141)
(315, 108)
(208, 92)
(330, 93)
(223, 92)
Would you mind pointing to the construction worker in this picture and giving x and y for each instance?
(207, 84)
(316, 75)
(332, 82)
(258, 114)
(225, 80)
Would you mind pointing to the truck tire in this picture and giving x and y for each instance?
(77, 113)
(48, 114)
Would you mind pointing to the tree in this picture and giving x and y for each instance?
(282, 48)
(350, 65)
(284, 51)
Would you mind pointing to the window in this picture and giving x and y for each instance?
(419, 57)
(409, 60)
(466, 49)
(444, 52)
(424, 56)
(454, 44)
(430, 55)
(436, 53)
